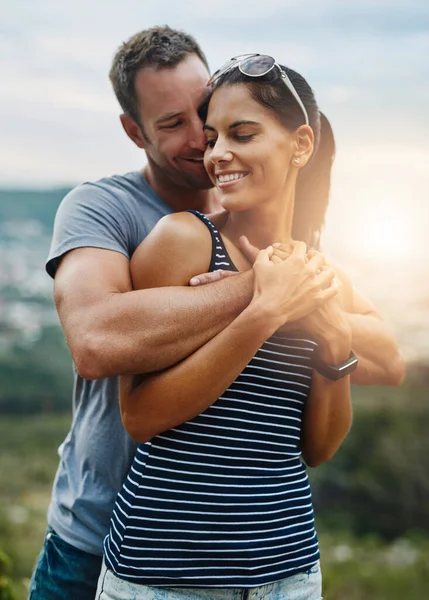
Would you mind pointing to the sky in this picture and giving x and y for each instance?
(367, 61)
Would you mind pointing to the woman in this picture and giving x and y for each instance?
(217, 497)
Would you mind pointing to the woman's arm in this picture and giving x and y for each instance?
(161, 401)
(380, 361)
(328, 410)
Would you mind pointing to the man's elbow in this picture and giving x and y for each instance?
(318, 459)
(135, 429)
(89, 357)
(396, 371)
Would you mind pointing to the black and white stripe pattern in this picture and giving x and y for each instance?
(224, 500)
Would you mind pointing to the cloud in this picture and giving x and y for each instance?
(366, 61)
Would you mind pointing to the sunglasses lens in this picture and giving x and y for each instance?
(255, 66)
(221, 71)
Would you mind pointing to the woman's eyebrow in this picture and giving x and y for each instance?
(238, 123)
(232, 126)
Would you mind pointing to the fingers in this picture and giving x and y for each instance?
(205, 278)
(316, 261)
(281, 253)
(327, 294)
(326, 277)
(263, 256)
(284, 248)
(299, 250)
(249, 251)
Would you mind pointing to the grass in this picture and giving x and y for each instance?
(353, 568)
(28, 461)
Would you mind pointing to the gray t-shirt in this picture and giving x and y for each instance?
(115, 213)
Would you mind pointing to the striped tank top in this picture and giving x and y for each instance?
(223, 500)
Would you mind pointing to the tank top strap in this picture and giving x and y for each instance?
(220, 259)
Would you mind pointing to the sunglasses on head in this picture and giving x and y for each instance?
(257, 65)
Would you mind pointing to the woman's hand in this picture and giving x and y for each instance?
(289, 290)
(328, 324)
(329, 327)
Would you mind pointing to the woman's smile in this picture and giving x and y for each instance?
(226, 179)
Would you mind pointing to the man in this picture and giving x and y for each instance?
(159, 77)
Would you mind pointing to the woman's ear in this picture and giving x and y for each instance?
(133, 131)
(304, 146)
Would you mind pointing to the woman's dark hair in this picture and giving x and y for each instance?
(314, 180)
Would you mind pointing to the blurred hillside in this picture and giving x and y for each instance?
(30, 205)
(32, 347)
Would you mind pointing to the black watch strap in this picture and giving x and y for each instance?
(334, 372)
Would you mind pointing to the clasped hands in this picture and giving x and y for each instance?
(298, 286)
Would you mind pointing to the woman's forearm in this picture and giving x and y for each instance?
(327, 419)
(328, 411)
(161, 401)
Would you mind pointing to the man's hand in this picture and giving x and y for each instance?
(329, 327)
(249, 251)
(210, 277)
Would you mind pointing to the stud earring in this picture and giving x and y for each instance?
(296, 160)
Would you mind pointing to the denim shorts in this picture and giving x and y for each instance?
(304, 586)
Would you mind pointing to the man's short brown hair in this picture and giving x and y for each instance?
(158, 47)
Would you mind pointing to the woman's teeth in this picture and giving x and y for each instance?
(230, 177)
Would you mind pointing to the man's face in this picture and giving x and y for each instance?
(169, 100)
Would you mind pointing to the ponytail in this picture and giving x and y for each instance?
(312, 189)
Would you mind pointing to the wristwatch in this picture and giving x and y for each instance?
(334, 372)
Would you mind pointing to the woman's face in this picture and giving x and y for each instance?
(248, 152)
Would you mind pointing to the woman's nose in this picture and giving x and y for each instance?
(220, 152)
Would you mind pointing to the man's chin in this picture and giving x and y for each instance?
(201, 182)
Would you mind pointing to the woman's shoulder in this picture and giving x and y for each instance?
(177, 248)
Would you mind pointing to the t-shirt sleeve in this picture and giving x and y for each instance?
(89, 216)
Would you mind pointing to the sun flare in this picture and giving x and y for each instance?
(386, 239)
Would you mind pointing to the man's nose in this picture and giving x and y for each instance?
(197, 137)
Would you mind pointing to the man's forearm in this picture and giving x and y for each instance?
(149, 330)
(380, 362)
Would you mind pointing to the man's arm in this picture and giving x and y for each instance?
(283, 292)
(380, 361)
(112, 330)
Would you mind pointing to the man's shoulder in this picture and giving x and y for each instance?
(114, 189)
(113, 213)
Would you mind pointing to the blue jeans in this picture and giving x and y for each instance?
(304, 586)
(64, 572)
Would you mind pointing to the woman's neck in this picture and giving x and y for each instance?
(263, 225)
